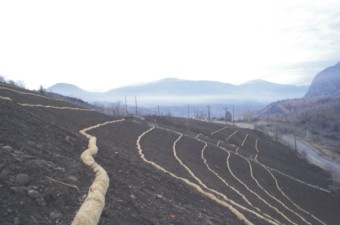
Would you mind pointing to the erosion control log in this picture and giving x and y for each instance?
(90, 211)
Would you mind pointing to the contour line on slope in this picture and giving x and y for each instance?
(239, 215)
(213, 190)
(280, 189)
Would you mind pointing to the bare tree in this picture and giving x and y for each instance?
(115, 109)
(228, 116)
(42, 90)
(99, 107)
(11, 82)
(247, 116)
(20, 83)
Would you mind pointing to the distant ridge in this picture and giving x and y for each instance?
(73, 91)
(323, 93)
(326, 83)
(317, 111)
(65, 87)
(178, 91)
(174, 86)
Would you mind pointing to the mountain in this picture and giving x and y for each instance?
(326, 83)
(317, 112)
(176, 86)
(74, 91)
(176, 91)
(322, 95)
(268, 91)
(67, 89)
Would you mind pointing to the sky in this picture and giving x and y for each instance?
(100, 45)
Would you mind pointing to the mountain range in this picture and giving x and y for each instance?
(317, 112)
(323, 95)
(177, 91)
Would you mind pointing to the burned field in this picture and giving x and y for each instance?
(162, 170)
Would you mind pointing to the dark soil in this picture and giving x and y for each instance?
(43, 181)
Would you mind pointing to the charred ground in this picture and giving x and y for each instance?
(43, 181)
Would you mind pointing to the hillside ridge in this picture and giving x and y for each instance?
(326, 83)
(44, 181)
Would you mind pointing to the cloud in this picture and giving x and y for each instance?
(301, 73)
(122, 42)
(316, 27)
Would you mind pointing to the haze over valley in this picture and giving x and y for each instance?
(172, 92)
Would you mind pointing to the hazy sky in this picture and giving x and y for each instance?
(99, 45)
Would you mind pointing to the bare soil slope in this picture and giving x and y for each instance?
(162, 170)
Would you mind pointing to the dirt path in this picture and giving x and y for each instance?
(313, 157)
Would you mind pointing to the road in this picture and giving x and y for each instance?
(312, 156)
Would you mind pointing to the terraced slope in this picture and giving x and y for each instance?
(255, 172)
(161, 170)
